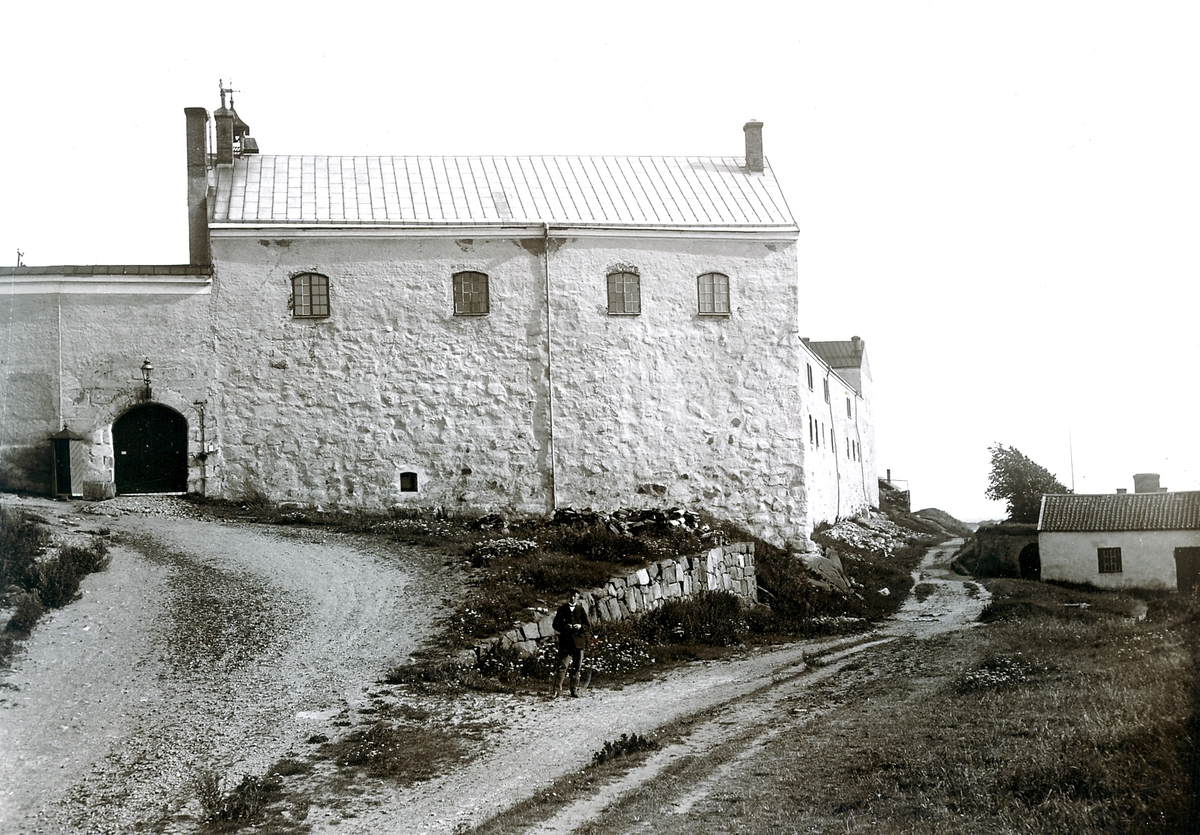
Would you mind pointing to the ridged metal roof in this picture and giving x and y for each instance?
(1121, 512)
(837, 354)
(667, 192)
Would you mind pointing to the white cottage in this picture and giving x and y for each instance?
(477, 334)
(1146, 539)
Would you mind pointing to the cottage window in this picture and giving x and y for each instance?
(1109, 560)
(471, 294)
(408, 482)
(310, 296)
(713, 292)
(624, 294)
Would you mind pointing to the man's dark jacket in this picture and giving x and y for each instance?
(569, 638)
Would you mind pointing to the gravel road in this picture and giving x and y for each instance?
(211, 645)
(204, 645)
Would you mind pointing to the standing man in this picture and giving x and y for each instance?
(571, 624)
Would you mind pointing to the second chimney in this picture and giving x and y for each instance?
(754, 148)
(1145, 483)
(199, 247)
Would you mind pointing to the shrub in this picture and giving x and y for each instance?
(243, 805)
(28, 608)
(59, 583)
(627, 745)
(21, 540)
(712, 618)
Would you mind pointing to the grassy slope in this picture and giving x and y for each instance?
(1054, 718)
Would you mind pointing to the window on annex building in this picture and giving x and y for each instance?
(826, 382)
(624, 293)
(712, 289)
(810, 377)
(849, 410)
(1109, 560)
(310, 296)
(471, 294)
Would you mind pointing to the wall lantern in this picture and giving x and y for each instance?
(146, 369)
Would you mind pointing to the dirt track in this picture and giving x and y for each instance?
(228, 645)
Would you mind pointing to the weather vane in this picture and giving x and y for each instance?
(20, 255)
(228, 90)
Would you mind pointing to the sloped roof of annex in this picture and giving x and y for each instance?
(608, 192)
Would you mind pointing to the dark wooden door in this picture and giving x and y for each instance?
(150, 450)
(1187, 568)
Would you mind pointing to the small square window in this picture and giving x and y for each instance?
(408, 482)
(471, 294)
(624, 294)
(1109, 560)
(712, 290)
(310, 296)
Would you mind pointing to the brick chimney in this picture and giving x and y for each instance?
(1145, 483)
(199, 248)
(754, 148)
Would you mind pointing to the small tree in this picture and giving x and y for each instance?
(1020, 482)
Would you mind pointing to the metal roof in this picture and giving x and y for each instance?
(837, 354)
(660, 192)
(1121, 512)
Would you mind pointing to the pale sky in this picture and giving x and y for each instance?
(1001, 199)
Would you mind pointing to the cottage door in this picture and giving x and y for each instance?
(1187, 568)
(150, 450)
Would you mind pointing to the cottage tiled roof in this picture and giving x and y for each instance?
(661, 192)
(1121, 512)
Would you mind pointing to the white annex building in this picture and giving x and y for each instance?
(479, 334)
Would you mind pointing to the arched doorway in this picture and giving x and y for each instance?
(1030, 562)
(150, 450)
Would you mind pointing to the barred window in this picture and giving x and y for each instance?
(713, 292)
(1109, 560)
(624, 294)
(310, 296)
(471, 294)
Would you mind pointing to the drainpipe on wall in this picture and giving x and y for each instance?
(549, 368)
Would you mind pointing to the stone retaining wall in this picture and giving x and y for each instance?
(724, 568)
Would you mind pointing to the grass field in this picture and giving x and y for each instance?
(1071, 711)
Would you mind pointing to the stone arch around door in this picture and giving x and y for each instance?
(1030, 562)
(150, 444)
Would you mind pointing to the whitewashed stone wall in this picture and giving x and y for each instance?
(72, 356)
(839, 487)
(724, 568)
(548, 401)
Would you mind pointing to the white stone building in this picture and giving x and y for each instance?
(479, 334)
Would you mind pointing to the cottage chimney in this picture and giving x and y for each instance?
(199, 249)
(1145, 483)
(858, 344)
(754, 148)
(1121, 491)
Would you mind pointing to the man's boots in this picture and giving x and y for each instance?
(575, 684)
(562, 675)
